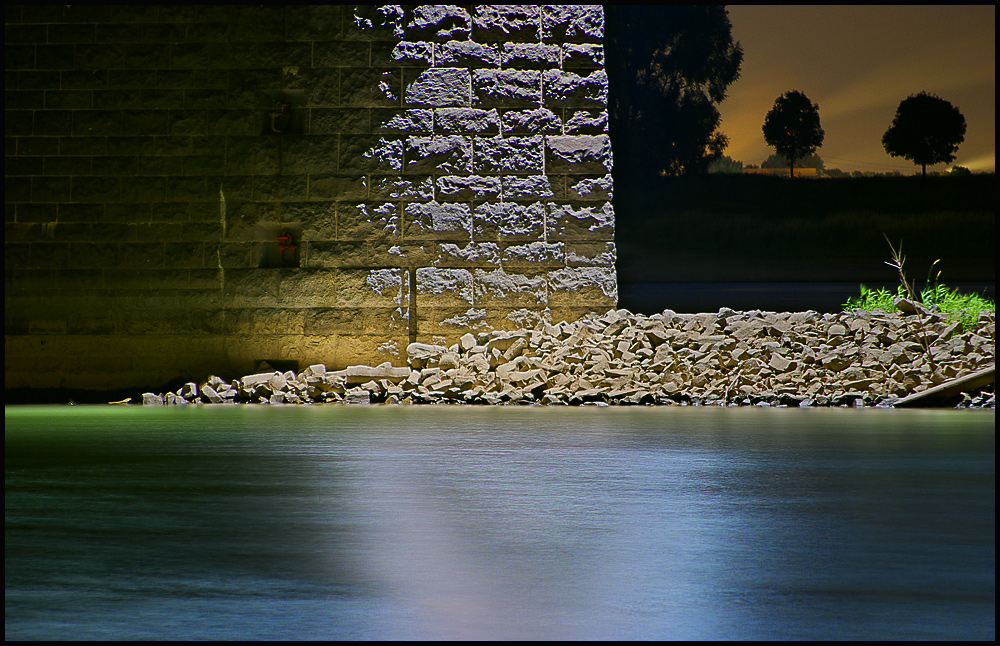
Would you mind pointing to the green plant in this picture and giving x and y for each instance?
(964, 308)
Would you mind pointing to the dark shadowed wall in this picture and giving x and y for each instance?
(190, 190)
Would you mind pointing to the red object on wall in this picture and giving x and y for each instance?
(285, 243)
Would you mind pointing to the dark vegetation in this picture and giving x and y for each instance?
(746, 228)
(792, 127)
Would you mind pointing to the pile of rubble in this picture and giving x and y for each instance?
(725, 358)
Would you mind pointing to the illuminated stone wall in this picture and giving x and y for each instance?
(190, 190)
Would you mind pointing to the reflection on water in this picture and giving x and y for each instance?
(460, 522)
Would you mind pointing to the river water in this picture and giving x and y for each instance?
(379, 522)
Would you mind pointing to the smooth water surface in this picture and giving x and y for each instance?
(469, 522)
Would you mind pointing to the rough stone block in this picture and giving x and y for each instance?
(583, 286)
(466, 53)
(438, 287)
(448, 154)
(466, 121)
(537, 121)
(502, 155)
(573, 23)
(365, 87)
(508, 221)
(335, 254)
(578, 155)
(589, 188)
(585, 254)
(325, 121)
(533, 254)
(473, 254)
(439, 88)
(499, 288)
(527, 187)
(438, 22)
(370, 154)
(369, 288)
(590, 222)
(506, 88)
(437, 221)
(569, 90)
(507, 23)
(403, 54)
(408, 122)
(530, 56)
(362, 221)
(467, 187)
(582, 56)
(336, 186)
(586, 122)
(409, 188)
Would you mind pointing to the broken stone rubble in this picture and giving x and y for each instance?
(619, 358)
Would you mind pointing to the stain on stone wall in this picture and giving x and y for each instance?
(191, 190)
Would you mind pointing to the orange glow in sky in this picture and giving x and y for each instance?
(858, 62)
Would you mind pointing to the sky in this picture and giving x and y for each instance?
(857, 63)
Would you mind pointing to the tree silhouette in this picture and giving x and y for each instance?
(792, 127)
(926, 130)
(668, 67)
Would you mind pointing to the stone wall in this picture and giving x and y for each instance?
(191, 190)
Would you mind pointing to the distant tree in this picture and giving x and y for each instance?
(959, 170)
(725, 165)
(668, 68)
(792, 127)
(835, 172)
(780, 161)
(926, 130)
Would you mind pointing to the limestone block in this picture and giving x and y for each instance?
(530, 56)
(508, 221)
(308, 288)
(330, 320)
(362, 221)
(585, 122)
(573, 23)
(537, 121)
(597, 187)
(506, 88)
(566, 89)
(444, 154)
(467, 187)
(503, 155)
(530, 187)
(433, 220)
(466, 53)
(533, 254)
(366, 87)
(438, 22)
(443, 288)
(583, 254)
(581, 222)
(509, 290)
(404, 53)
(506, 23)
(367, 288)
(578, 154)
(415, 121)
(251, 287)
(573, 286)
(439, 88)
(369, 154)
(585, 56)
(335, 254)
(411, 187)
(473, 254)
(343, 187)
(466, 121)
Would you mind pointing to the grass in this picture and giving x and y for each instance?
(964, 308)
